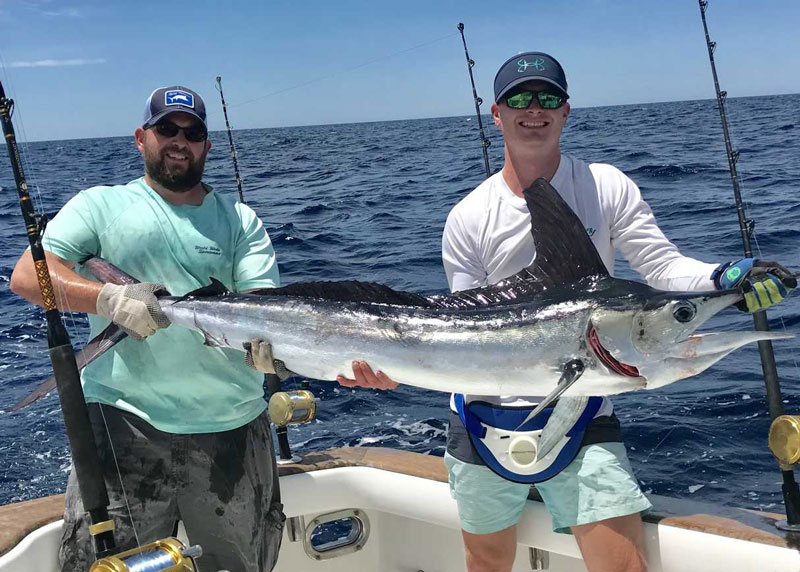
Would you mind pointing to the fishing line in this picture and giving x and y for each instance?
(230, 140)
(36, 196)
(786, 462)
(119, 475)
(68, 320)
(742, 175)
(271, 380)
(343, 70)
(668, 433)
(85, 457)
(754, 235)
(485, 143)
(62, 301)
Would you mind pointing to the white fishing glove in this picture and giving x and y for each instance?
(133, 307)
(259, 357)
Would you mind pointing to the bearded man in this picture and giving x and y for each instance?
(181, 427)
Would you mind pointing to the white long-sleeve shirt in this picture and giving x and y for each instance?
(487, 236)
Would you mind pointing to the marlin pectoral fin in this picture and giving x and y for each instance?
(211, 341)
(572, 371)
(96, 347)
(565, 414)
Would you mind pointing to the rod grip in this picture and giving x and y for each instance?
(79, 429)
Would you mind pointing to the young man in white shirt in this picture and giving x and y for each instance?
(488, 238)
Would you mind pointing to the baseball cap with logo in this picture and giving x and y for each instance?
(166, 100)
(526, 67)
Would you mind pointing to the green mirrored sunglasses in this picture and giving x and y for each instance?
(545, 99)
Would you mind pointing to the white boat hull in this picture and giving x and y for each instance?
(413, 526)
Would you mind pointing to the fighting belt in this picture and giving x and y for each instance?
(510, 450)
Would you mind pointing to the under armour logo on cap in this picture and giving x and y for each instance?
(529, 66)
(537, 64)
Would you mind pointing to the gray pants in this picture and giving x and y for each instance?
(224, 486)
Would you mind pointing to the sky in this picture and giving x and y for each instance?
(80, 69)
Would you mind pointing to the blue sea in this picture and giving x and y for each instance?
(368, 201)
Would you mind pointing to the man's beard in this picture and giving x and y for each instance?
(175, 180)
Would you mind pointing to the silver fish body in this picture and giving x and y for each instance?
(509, 349)
(495, 353)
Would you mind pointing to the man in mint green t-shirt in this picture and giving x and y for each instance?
(183, 425)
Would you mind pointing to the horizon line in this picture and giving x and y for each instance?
(223, 130)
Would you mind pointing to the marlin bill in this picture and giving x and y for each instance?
(511, 338)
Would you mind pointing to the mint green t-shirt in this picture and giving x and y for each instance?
(170, 379)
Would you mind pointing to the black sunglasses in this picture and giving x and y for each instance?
(545, 99)
(194, 133)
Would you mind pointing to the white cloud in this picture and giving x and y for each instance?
(67, 13)
(57, 63)
(51, 8)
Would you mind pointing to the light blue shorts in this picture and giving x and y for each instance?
(598, 484)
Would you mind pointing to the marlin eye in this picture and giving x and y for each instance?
(684, 311)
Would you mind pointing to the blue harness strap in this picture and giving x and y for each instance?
(470, 421)
(495, 430)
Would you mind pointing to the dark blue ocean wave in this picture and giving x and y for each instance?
(313, 209)
(274, 173)
(661, 171)
(369, 202)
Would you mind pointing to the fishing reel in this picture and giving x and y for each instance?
(166, 555)
(292, 407)
(784, 440)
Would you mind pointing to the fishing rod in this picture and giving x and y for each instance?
(784, 437)
(167, 554)
(230, 140)
(85, 458)
(284, 407)
(485, 143)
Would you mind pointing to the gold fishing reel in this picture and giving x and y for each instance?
(784, 440)
(292, 407)
(166, 555)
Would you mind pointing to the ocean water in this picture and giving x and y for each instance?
(369, 201)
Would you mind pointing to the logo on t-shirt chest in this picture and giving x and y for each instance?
(211, 249)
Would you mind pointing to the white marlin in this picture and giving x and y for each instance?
(515, 337)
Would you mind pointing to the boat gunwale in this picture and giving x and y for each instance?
(17, 520)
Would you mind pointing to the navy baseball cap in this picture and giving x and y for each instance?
(526, 67)
(166, 100)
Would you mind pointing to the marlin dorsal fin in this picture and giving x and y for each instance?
(564, 251)
(564, 254)
(214, 288)
(349, 291)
